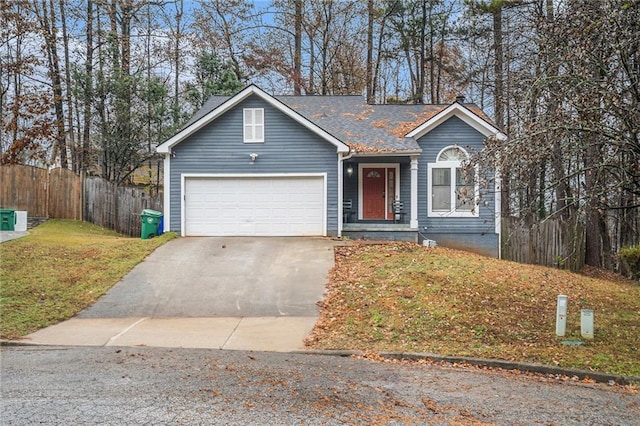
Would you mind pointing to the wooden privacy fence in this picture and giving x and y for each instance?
(65, 194)
(25, 188)
(554, 242)
(117, 208)
(62, 194)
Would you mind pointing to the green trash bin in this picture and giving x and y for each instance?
(7, 220)
(151, 220)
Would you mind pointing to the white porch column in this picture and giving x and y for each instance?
(340, 195)
(413, 222)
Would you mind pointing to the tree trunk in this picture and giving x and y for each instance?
(553, 105)
(376, 73)
(176, 58)
(297, 54)
(324, 50)
(311, 85)
(431, 59)
(369, 72)
(593, 247)
(68, 84)
(48, 22)
(498, 101)
(598, 243)
(88, 89)
(421, 60)
(498, 67)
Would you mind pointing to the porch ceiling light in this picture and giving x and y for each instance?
(349, 170)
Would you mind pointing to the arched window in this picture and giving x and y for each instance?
(452, 189)
(452, 153)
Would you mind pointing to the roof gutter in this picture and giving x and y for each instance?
(384, 154)
(349, 155)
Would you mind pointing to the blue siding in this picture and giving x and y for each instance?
(405, 187)
(289, 147)
(474, 231)
(485, 244)
(350, 184)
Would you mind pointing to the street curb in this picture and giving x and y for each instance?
(478, 362)
(18, 343)
(494, 363)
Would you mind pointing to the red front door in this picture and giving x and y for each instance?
(373, 187)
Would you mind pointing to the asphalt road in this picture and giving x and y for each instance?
(109, 385)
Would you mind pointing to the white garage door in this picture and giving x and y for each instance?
(254, 206)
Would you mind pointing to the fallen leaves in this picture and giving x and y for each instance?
(381, 124)
(405, 297)
(362, 115)
(361, 148)
(404, 127)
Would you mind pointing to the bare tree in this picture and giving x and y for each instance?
(297, 55)
(573, 150)
(46, 14)
(26, 128)
(423, 28)
(225, 27)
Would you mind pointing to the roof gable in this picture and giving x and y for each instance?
(208, 117)
(462, 112)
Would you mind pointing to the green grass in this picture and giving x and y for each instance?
(60, 268)
(405, 297)
(390, 297)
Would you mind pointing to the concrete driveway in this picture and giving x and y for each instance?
(225, 293)
(11, 235)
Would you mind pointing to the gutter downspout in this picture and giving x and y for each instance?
(167, 192)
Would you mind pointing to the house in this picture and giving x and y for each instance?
(260, 165)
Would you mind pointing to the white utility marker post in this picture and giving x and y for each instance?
(586, 323)
(561, 315)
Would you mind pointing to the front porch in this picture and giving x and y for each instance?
(380, 231)
(379, 198)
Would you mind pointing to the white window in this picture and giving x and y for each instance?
(253, 125)
(452, 189)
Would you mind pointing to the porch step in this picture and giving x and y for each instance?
(380, 231)
(33, 221)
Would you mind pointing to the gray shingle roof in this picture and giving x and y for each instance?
(365, 128)
(212, 103)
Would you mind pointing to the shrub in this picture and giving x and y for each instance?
(631, 259)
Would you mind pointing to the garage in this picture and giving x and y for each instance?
(268, 205)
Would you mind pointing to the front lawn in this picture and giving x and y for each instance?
(60, 268)
(381, 297)
(408, 298)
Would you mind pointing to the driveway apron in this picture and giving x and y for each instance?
(209, 292)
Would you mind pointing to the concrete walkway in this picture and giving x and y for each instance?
(274, 334)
